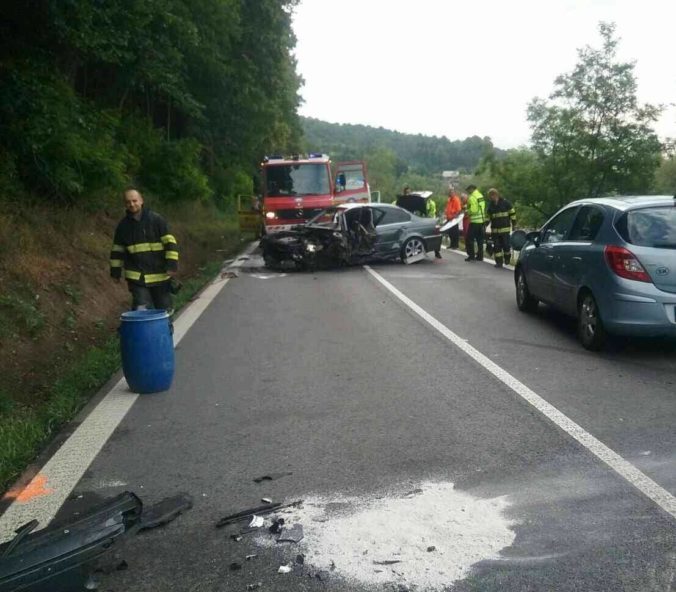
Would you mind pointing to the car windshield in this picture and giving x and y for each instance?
(649, 227)
(297, 180)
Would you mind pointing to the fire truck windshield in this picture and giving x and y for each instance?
(297, 179)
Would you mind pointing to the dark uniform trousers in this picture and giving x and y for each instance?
(475, 232)
(503, 253)
(145, 297)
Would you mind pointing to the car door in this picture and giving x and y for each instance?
(390, 228)
(541, 271)
(576, 255)
(351, 183)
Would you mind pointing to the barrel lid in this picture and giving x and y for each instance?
(144, 315)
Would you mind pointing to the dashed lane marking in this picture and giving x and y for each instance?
(42, 497)
(625, 469)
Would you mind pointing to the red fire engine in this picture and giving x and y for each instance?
(297, 188)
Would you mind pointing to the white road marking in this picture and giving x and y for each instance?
(67, 466)
(626, 470)
(485, 260)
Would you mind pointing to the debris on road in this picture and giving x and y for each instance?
(387, 562)
(256, 522)
(300, 559)
(254, 586)
(245, 514)
(236, 537)
(61, 557)
(431, 548)
(272, 477)
(291, 535)
(277, 526)
(234, 566)
(266, 500)
(229, 274)
(284, 569)
(165, 511)
(250, 557)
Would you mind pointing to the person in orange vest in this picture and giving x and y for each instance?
(453, 209)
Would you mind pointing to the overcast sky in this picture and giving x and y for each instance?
(460, 68)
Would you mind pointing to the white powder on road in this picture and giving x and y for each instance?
(354, 534)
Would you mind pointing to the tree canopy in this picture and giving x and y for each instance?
(180, 96)
(590, 138)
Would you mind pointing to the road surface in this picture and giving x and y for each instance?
(422, 460)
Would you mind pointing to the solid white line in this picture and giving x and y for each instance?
(67, 466)
(485, 260)
(642, 482)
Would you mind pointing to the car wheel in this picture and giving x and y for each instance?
(590, 327)
(524, 299)
(412, 247)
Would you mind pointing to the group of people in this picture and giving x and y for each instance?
(498, 212)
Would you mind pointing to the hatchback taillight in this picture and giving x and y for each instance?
(625, 264)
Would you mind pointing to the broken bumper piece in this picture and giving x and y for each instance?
(61, 557)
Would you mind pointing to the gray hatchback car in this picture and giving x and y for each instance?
(608, 262)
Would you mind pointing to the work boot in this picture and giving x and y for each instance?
(498, 263)
(470, 259)
(437, 254)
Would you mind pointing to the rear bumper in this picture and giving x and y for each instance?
(648, 315)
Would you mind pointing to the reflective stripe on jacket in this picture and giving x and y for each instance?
(144, 248)
(476, 207)
(501, 215)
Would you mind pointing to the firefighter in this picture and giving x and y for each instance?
(144, 247)
(502, 217)
(476, 210)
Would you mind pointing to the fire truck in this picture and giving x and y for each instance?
(297, 188)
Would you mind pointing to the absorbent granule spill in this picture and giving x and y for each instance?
(386, 539)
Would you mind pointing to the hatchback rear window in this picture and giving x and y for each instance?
(649, 227)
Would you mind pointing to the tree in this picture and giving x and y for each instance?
(592, 137)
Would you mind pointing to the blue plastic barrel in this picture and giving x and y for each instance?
(147, 350)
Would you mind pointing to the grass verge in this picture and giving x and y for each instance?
(25, 430)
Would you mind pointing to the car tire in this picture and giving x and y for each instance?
(525, 301)
(590, 329)
(413, 246)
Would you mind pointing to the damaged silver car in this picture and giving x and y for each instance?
(352, 234)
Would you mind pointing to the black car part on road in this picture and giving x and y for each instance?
(61, 557)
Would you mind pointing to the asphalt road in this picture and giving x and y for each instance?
(330, 377)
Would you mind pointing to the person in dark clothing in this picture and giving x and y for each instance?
(144, 247)
(502, 216)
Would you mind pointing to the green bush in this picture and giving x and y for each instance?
(63, 148)
(174, 171)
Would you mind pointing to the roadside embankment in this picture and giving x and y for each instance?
(59, 310)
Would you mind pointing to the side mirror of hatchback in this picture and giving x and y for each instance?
(534, 237)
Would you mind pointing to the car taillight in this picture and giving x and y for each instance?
(625, 264)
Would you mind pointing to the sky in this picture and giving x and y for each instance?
(464, 68)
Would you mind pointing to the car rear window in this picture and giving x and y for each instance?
(649, 227)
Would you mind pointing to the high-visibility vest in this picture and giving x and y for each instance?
(476, 207)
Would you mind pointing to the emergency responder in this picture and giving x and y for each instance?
(502, 216)
(476, 210)
(148, 253)
(453, 209)
(431, 212)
